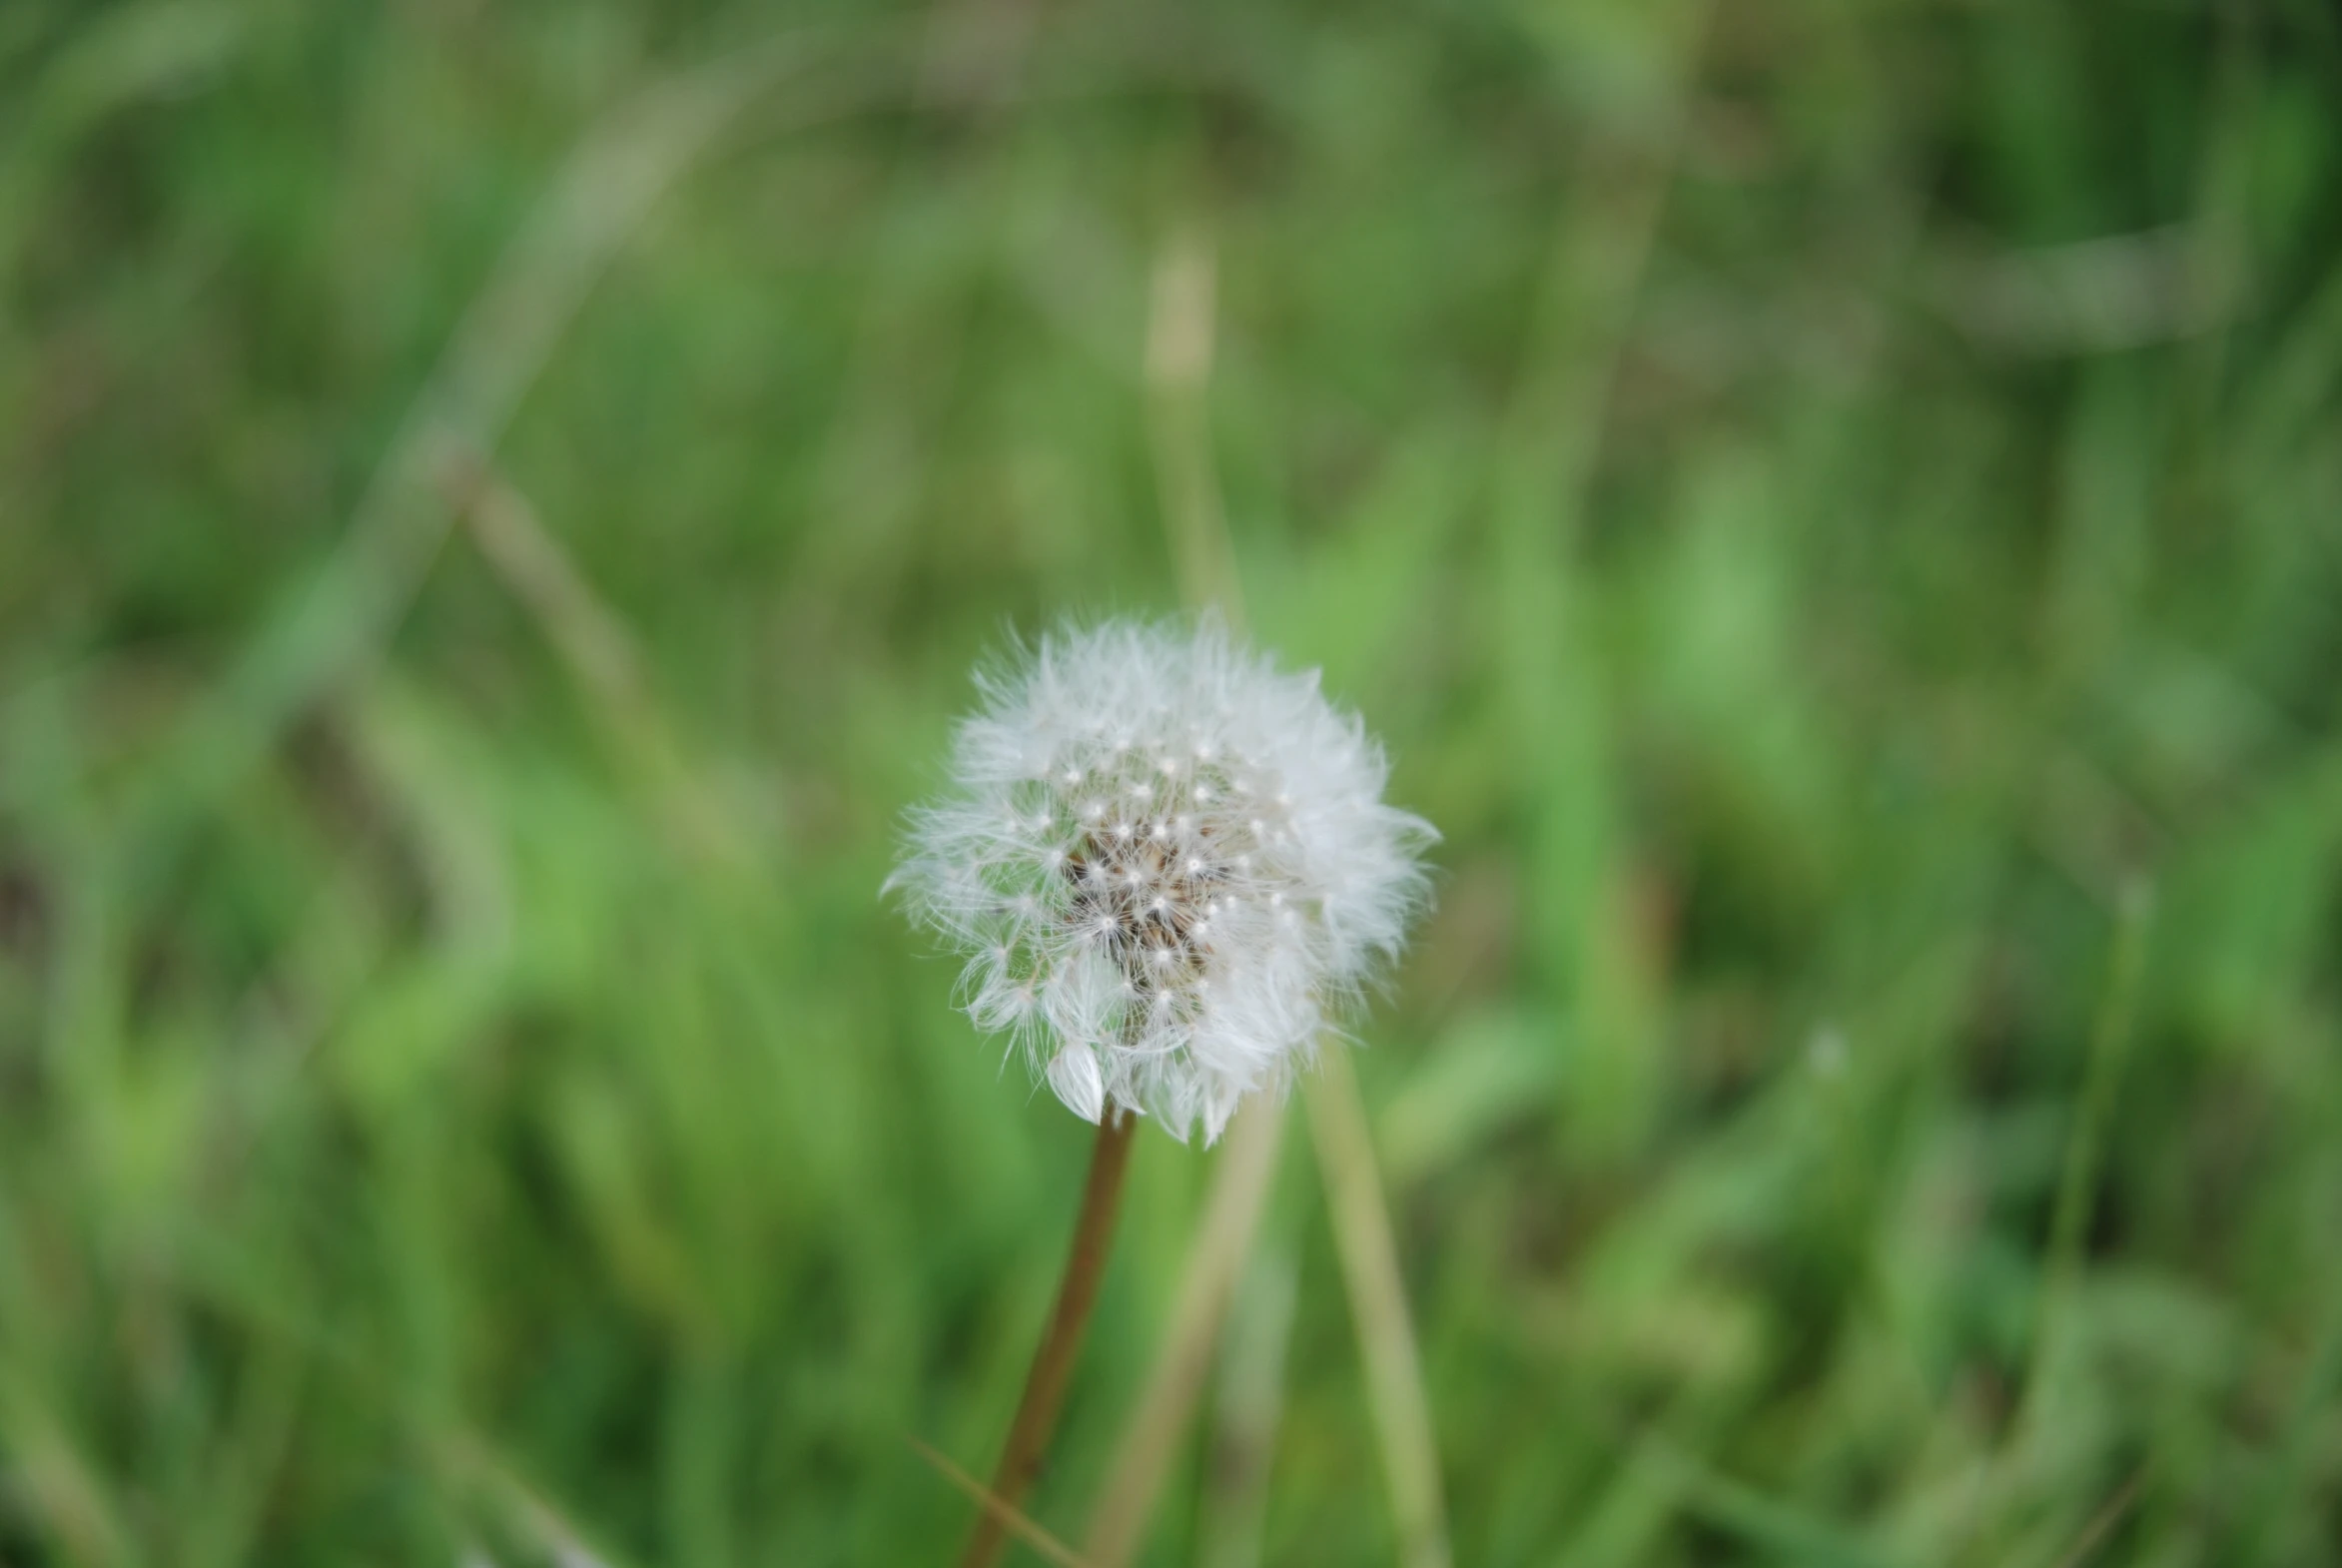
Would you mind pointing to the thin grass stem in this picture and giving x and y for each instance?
(1378, 1302)
(2078, 1181)
(1014, 1520)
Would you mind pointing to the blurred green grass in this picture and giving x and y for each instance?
(1836, 510)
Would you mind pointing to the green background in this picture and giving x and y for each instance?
(1836, 510)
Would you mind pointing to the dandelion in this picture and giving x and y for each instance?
(1169, 862)
(1169, 866)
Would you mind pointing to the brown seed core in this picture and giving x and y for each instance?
(1131, 889)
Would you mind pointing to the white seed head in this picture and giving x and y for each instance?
(1186, 951)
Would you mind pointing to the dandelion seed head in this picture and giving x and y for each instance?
(1187, 949)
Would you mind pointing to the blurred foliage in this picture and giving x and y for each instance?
(1836, 511)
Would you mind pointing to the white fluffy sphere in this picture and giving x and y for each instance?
(1167, 861)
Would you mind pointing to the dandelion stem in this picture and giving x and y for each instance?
(1223, 1241)
(1052, 1362)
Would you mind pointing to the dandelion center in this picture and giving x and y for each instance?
(1145, 887)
